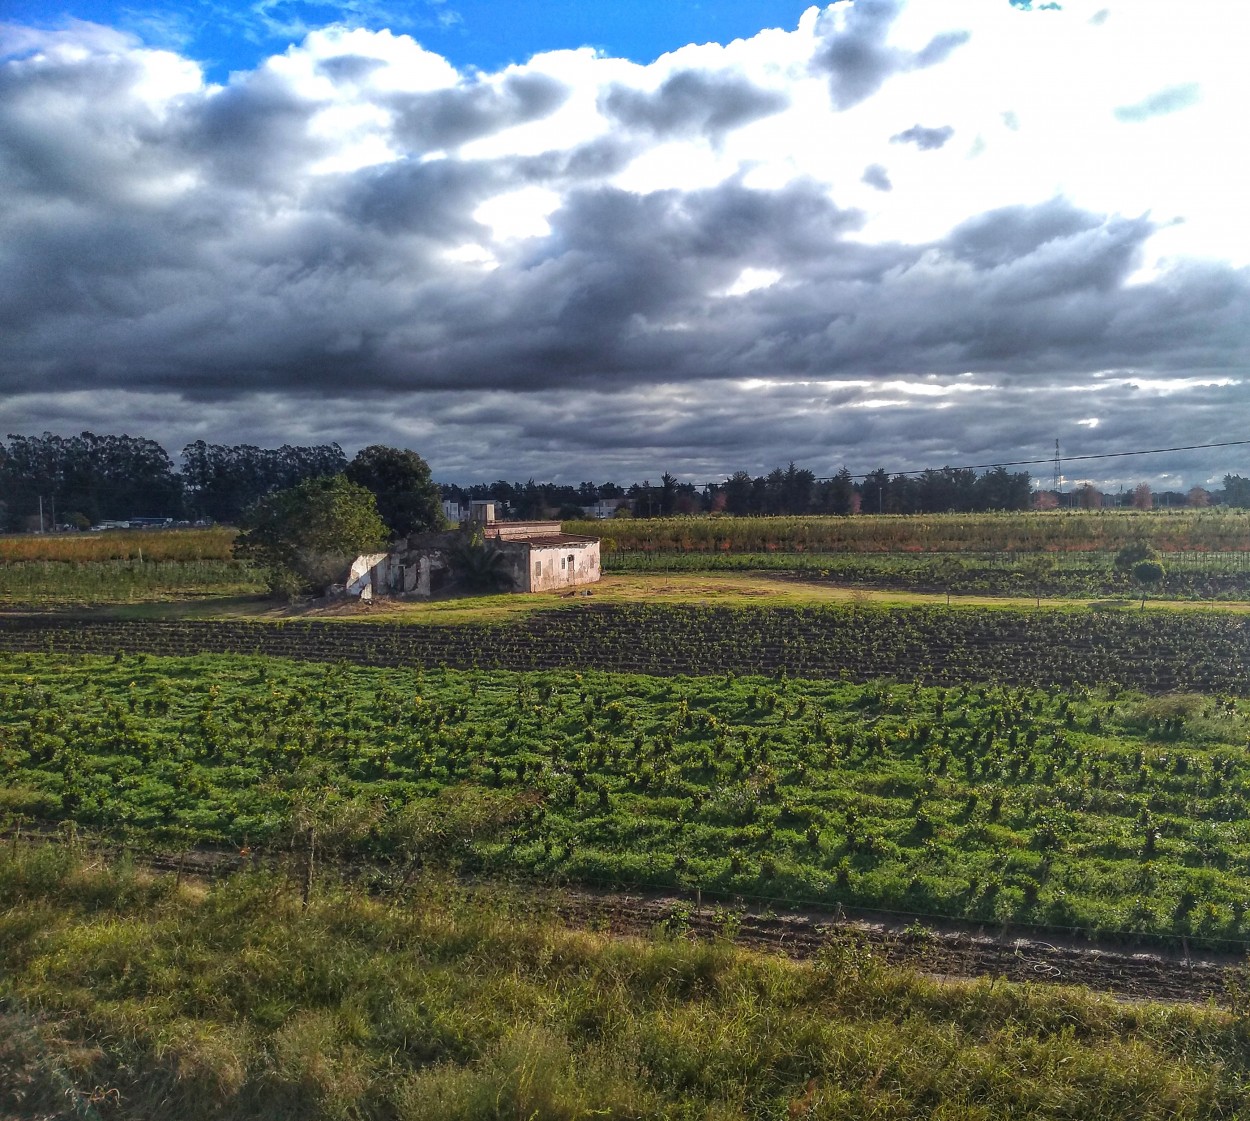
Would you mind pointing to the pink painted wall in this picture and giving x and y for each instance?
(556, 571)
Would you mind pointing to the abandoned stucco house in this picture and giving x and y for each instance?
(535, 556)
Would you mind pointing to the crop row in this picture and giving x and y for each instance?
(1063, 531)
(1192, 575)
(1152, 651)
(212, 543)
(1074, 808)
(42, 583)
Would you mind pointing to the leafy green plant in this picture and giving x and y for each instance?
(479, 565)
(307, 536)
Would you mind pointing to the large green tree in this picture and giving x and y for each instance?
(1236, 491)
(306, 537)
(408, 498)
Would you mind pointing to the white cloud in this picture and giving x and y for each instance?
(753, 280)
(518, 214)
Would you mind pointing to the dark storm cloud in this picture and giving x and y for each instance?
(692, 101)
(183, 273)
(451, 117)
(999, 237)
(61, 135)
(596, 159)
(250, 134)
(926, 139)
(876, 176)
(856, 56)
(938, 49)
(624, 291)
(429, 200)
(1160, 104)
(699, 432)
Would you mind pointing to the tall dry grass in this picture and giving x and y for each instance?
(133, 996)
(92, 583)
(212, 543)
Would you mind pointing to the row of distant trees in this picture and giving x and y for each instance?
(793, 490)
(784, 490)
(1086, 496)
(86, 479)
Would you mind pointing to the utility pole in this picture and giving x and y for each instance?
(41, 513)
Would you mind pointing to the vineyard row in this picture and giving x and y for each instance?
(1155, 652)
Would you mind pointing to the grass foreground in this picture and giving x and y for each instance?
(132, 995)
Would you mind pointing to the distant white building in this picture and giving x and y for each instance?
(607, 507)
(480, 511)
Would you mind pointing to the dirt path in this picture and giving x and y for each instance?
(949, 951)
(944, 950)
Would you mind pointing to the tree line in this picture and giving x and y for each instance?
(790, 490)
(85, 479)
(795, 491)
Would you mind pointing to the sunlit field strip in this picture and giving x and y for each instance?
(1078, 809)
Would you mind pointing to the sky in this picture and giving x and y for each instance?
(601, 241)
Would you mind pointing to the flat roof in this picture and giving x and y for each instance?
(552, 540)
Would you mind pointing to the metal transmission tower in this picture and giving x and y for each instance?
(1058, 465)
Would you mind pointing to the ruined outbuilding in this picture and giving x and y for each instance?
(534, 557)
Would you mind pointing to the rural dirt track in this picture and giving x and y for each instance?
(943, 953)
(940, 950)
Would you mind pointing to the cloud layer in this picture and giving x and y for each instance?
(583, 267)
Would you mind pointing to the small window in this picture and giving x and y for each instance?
(538, 569)
(563, 563)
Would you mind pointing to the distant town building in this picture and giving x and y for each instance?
(607, 507)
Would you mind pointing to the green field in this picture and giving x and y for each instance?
(64, 584)
(1058, 554)
(419, 787)
(212, 543)
(1216, 529)
(1091, 810)
(1077, 574)
(1157, 651)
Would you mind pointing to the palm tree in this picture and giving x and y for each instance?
(480, 567)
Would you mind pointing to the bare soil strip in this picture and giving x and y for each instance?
(944, 951)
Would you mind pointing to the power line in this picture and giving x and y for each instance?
(1074, 458)
(1033, 462)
